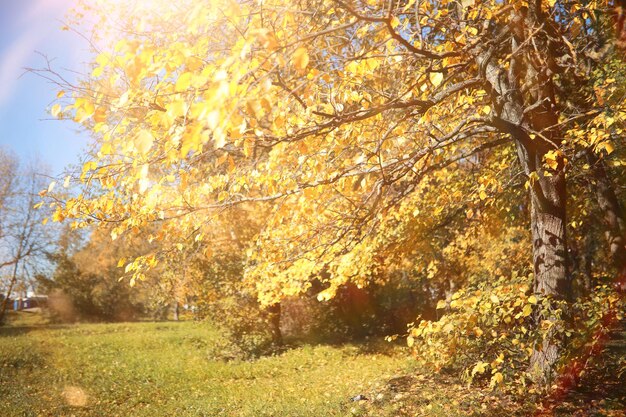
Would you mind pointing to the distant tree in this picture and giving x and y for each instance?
(23, 238)
(86, 279)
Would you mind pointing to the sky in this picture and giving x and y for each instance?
(28, 28)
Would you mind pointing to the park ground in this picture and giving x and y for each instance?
(175, 369)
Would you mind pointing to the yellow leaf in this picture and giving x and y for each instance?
(60, 94)
(532, 299)
(479, 368)
(436, 78)
(100, 115)
(248, 147)
(527, 311)
(89, 108)
(395, 22)
(55, 110)
(213, 119)
(410, 341)
(441, 304)
(123, 98)
(496, 379)
(58, 216)
(144, 141)
(143, 172)
(106, 148)
(219, 139)
(301, 58)
(222, 196)
(183, 82)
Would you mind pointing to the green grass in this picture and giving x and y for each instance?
(148, 369)
(169, 369)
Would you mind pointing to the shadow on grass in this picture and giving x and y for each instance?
(369, 345)
(23, 322)
(12, 331)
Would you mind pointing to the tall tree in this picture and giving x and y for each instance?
(344, 114)
(23, 239)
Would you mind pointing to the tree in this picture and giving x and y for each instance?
(86, 282)
(22, 237)
(345, 115)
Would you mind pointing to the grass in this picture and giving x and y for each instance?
(170, 369)
(150, 369)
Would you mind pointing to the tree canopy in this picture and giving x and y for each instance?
(337, 141)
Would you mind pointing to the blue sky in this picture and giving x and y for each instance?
(28, 27)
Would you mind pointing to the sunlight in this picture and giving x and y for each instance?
(320, 207)
(75, 396)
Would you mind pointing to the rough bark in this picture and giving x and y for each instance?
(548, 220)
(518, 114)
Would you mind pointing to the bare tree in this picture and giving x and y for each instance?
(22, 233)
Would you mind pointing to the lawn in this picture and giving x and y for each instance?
(171, 369)
(167, 369)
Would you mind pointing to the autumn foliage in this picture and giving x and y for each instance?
(473, 148)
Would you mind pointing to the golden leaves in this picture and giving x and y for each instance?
(97, 72)
(55, 111)
(183, 82)
(85, 108)
(496, 379)
(300, 59)
(526, 311)
(479, 368)
(436, 78)
(553, 158)
(395, 22)
(248, 147)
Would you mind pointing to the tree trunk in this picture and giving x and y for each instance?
(524, 101)
(274, 312)
(9, 291)
(550, 263)
(587, 263)
(547, 192)
(548, 219)
(613, 217)
(176, 310)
